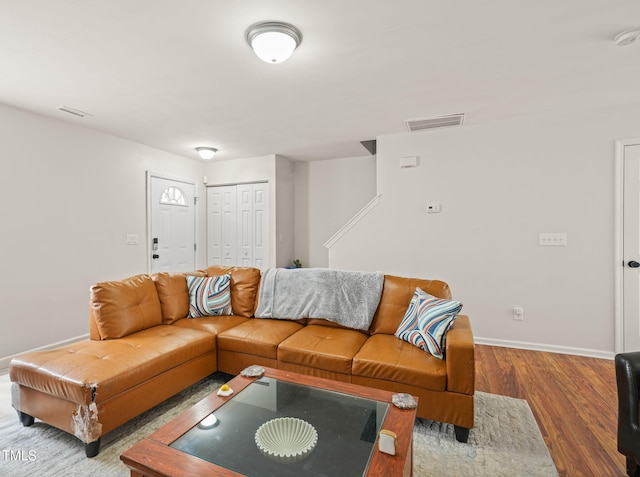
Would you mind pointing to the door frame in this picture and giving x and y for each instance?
(149, 175)
(618, 272)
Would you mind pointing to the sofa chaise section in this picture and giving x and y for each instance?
(132, 363)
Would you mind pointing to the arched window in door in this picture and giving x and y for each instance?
(173, 196)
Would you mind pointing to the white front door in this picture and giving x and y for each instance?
(631, 247)
(171, 225)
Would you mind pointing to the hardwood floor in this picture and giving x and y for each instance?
(573, 398)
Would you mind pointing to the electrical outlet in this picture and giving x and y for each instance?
(518, 313)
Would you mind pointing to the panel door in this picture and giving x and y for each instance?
(214, 226)
(260, 230)
(245, 225)
(631, 248)
(172, 225)
(238, 225)
(229, 224)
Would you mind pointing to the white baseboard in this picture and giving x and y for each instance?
(591, 353)
(4, 361)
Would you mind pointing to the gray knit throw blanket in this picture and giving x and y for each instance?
(344, 297)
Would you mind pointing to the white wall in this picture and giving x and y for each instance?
(328, 194)
(285, 229)
(238, 171)
(500, 185)
(70, 195)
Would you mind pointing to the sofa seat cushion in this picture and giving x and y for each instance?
(257, 336)
(98, 370)
(322, 347)
(391, 359)
(211, 324)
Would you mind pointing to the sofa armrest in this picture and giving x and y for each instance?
(627, 366)
(460, 357)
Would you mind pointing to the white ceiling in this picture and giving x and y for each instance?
(179, 74)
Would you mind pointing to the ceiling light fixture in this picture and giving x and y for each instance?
(206, 153)
(273, 42)
(627, 37)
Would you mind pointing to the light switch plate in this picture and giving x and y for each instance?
(409, 161)
(433, 207)
(552, 240)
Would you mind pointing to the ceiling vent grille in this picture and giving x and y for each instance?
(423, 124)
(73, 111)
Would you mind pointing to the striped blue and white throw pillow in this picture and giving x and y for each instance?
(426, 322)
(209, 296)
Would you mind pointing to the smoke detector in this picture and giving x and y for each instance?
(627, 37)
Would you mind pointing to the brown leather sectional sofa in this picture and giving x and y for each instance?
(143, 350)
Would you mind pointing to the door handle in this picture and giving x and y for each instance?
(633, 264)
(155, 256)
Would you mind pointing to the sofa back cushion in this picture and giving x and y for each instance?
(119, 308)
(174, 294)
(245, 282)
(397, 293)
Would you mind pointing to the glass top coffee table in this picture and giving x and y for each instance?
(282, 424)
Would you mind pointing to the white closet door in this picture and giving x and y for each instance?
(229, 235)
(214, 226)
(245, 225)
(238, 225)
(260, 205)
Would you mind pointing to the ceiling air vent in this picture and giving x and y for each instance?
(73, 111)
(433, 123)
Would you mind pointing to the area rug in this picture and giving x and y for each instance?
(505, 442)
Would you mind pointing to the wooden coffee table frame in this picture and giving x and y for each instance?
(153, 456)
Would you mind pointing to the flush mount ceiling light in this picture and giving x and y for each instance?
(206, 153)
(627, 37)
(273, 42)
